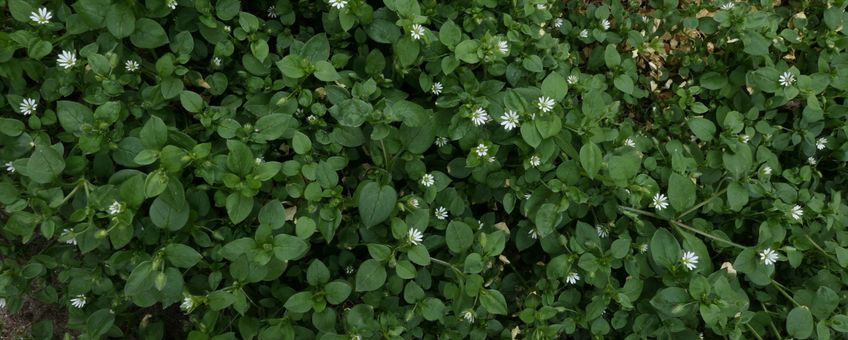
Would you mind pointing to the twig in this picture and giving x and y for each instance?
(682, 225)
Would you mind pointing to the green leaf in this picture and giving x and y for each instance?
(191, 101)
(325, 71)
(737, 196)
(337, 292)
(148, 34)
(546, 219)
(406, 51)
(432, 309)
(493, 301)
(240, 159)
(317, 273)
(739, 163)
(182, 256)
(467, 51)
(291, 67)
(681, 191)
(99, 322)
(450, 34)
(591, 159)
(555, 86)
(238, 207)
(458, 236)
(704, 129)
(73, 116)
(664, 248)
(120, 20)
(170, 210)
(316, 48)
(288, 247)
(299, 302)
(611, 56)
(799, 323)
(154, 133)
(370, 276)
(45, 164)
(351, 112)
(713, 81)
(301, 143)
(376, 203)
(624, 83)
(39, 49)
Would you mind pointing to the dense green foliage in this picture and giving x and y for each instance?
(351, 169)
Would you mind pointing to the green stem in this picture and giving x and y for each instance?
(699, 205)
(754, 331)
(446, 264)
(819, 248)
(682, 225)
(385, 156)
(771, 323)
(70, 194)
(780, 288)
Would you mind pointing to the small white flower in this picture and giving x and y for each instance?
(78, 301)
(2, 303)
(428, 180)
(355, 337)
(227, 28)
(584, 33)
(417, 31)
(768, 256)
(479, 224)
(72, 241)
(767, 170)
(605, 24)
(41, 17)
(491, 159)
(349, 270)
(216, 61)
(602, 231)
(441, 213)
(115, 208)
(503, 47)
(629, 142)
(28, 106)
(468, 315)
(535, 161)
(545, 104)
(660, 201)
(172, 4)
(572, 278)
(728, 5)
(558, 22)
(527, 196)
(338, 4)
(437, 88)
(689, 260)
(542, 6)
(821, 143)
(441, 141)
(797, 212)
(509, 120)
(812, 161)
(311, 118)
(188, 304)
(413, 202)
(272, 12)
(701, 336)
(67, 59)
(572, 79)
(479, 116)
(745, 138)
(481, 150)
(533, 234)
(645, 18)
(643, 248)
(10, 168)
(131, 66)
(786, 79)
(258, 160)
(415, 236)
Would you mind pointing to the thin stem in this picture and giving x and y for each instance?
(754, 331)
(782, 291)
(70, 194)
(771, 323)
(699, 205)
(446, 264)
(819, 247)
(385, 156)
(682, 225)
